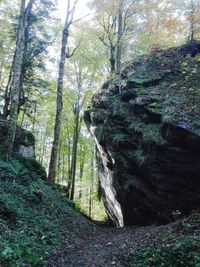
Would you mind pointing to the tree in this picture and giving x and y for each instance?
(77, 124)
(17, 66)
(36, 42)
(193, 18)
(58, 119)
(113, 18)
(119, 38)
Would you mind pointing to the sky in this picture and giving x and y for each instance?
(81, 9)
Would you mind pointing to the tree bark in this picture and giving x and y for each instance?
(8, 96)
(58, 119)
(82, 164)
(192, 11)
(74, 153)
(17, 64)
(92, 183)
(112, 58)
(119, 39)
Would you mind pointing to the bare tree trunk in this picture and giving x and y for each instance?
(69, 165)
(17, 64)
(34, 116)
(92, 183)
(63, 168)
(112, 58)
(11, 84)
(59, 163)
(119, 39)
(7, 90)
(58, 119)
(82, 164)
(74, 153)
(192, 11)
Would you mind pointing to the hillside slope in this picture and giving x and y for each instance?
(35, 220)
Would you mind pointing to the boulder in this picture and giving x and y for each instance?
(146, 125)
(24, 143)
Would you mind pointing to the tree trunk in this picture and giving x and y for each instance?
(7, 90)
(58, 119)
(91, 184)
(69, 165)
(17, 64)
(112, 59)
(192, 11)
(59, 163)
(74, 153)
(119, 39)
(8, 96)
(82, 164)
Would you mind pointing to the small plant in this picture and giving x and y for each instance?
(139, 156)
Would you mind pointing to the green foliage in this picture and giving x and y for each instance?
(120, 138)
(183, 253)
(180, 248)
(139, 156)
(36, 170)
(151, 132)
(140, 81)
(31, 226)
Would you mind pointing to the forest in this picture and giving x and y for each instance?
(100, 133)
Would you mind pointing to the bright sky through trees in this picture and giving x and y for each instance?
(81, 9)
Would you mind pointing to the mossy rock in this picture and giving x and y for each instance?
(142, 81)
(22, 137)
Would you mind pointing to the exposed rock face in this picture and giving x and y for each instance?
(146, 125)
(24, 141)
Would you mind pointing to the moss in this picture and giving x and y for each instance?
(22, 137)
(150, 132)
(142, 81)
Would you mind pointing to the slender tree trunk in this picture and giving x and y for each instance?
(58, 119)
(74, 153)
(9, 98)
(192, 11)
(59, 163)
(112, 59)
(82, 164)
(34, 116)
(17, 64)
(63, 168)
(69, 165)
(119, 39)
(7, 90)
(91, 184)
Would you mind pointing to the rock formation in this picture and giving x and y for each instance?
(24, 141)
(146, 125)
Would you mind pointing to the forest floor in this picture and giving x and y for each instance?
(104, 246)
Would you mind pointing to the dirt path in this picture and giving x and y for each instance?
(102, 247)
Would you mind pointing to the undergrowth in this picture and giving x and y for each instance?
(181, 248)
(32, 226)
